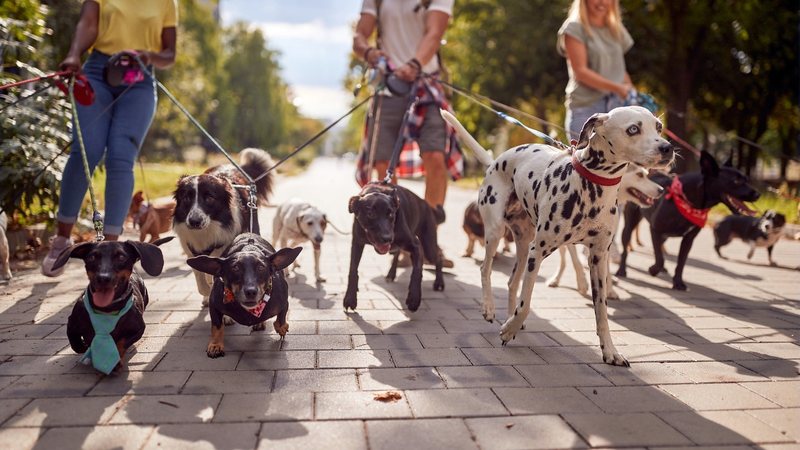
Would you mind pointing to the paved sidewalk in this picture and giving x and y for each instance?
(714, 366)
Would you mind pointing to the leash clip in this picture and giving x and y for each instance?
(97, 219)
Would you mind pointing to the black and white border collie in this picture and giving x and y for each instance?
(210, 212)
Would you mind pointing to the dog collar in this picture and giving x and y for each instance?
(592, 177)
(694, 215)
(257, 310)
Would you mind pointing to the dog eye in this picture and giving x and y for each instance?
(209, 198)
(309, 223)
(632, 130)
(121, 257)
(640, 175)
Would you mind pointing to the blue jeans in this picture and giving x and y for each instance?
(116, 133)
(577, 116)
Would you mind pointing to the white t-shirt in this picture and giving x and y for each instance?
(402, 29)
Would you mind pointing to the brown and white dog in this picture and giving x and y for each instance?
(473, 226)
(151, 218)
(210, 212)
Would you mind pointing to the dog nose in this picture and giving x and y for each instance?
(665, 148)
(318, 239)
(250, 291)
(386, 237)
(194, 222)
(104, 277)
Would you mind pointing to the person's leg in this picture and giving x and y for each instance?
(388, 127)
(132, 116)
(432, 141)
(94, 121)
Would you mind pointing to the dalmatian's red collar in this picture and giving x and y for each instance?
(592, 177)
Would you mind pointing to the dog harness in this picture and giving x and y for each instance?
(697, 216)
(103, 353)
(592, 177)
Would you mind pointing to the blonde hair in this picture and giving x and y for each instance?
(578, 12)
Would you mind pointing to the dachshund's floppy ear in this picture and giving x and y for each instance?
(206, 264)
(150, 255)
(283, 257)
(76, 251)
(586, 132)
(352, 205)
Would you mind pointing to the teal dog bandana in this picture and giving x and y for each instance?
(103, 352)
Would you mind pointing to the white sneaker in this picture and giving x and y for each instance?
(57, 245)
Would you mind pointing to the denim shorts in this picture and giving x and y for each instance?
(577, 116)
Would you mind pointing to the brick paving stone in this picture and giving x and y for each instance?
(330, 359)
(316, 380)
(376, 378)
(50, 385)
(523, 339)
(705, 397)
(544, 431)
(198, 360)
(275, 407)
(204, 436)
(39, 347)
(5, 381)
(481, 376)
(124, 437)
(144, 383)
(644, 373)
(562, 375)
(359, 405)
(67, 411)
(312, 342)
(163, 409)
(21, 437)
(428, 357)
(36, 365)
(715, 372)
(621, 399)
(455, 403)
(784, 393)
(774, 369)
(317, 435)
(624, 430)
(550, 400)
(277, 360)
(722, 427)
(419, 433)
(507, 355)
(9, 407)
(385, 342)
(783, 420)
(229, 382)
(461, 340)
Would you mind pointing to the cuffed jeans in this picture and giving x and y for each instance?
(116, 132)
(577, 116)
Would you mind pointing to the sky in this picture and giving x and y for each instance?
(313, 38)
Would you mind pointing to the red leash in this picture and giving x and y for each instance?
(33, 80)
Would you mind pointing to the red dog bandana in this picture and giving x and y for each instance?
(692, 214)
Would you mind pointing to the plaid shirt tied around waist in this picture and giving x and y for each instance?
(409, 165)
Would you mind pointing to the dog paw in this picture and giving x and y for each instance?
(227, 320)
(552, 282)
(413, 302)
(612, 357)
(773, 264)
(261, 326)
(205, 301)
(350, 301)
(612, 294)
(281, 329)
(506, 334)
(321, 280)
(215, 350)
(438, 285)
(678, 285)
(488, 312)
(653, 270)
(621, 272)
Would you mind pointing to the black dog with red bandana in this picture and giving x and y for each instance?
(249, 286)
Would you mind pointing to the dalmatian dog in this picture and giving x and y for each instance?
(635, 187)
(296, 222)
(569, 198)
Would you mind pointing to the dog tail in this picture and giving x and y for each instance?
(256, 162)
(484, 156)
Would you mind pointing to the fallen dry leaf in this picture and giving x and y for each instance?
(509, 425)
(388, 396)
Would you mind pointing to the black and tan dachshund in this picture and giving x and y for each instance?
(682, 211)
(249, 286)
(392, 218)
(112, 282)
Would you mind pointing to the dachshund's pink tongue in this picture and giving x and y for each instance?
(103, 297)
